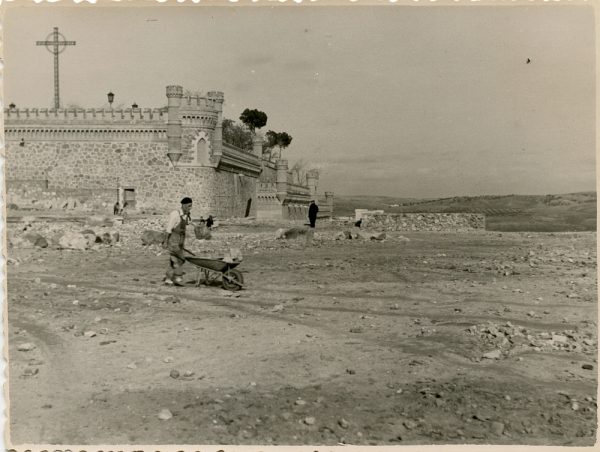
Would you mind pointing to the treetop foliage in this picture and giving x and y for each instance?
(253, 119)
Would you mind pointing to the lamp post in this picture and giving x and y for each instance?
(111, 98)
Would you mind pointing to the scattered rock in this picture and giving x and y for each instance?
(495, 354)
(309, 420)
(76, 241)
(497, 428)
(560, 338)
(165, 415)
(588, 367)
(379, 237)
(41, 242)
(89, 334)
(409, 424)
(343, 423)
(300, 402)
(202, 232)
(26, 347)
(153, 237)
(291, 233)
(30, 372)
(174, 374)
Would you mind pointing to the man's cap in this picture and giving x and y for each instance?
(186, 200)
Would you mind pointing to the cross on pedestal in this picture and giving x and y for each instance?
(55, 46)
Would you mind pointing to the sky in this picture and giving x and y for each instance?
(397, 100)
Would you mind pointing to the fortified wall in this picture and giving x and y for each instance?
(423, 221)
(91, 156)
(279, 197)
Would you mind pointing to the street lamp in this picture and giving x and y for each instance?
(111, 97)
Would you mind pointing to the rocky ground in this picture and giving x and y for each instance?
(394, 339)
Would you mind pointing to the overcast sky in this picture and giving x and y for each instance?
(407, 101)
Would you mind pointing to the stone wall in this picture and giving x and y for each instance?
(58, 157)
(84, 170)
(424, 221)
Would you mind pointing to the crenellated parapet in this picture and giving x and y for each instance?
(51, 116)
(28, 134)
(78, 124)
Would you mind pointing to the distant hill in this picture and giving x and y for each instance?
(551, 213)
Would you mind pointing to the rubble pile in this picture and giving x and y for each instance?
(62, 235)
(508, 339)
(39, 198)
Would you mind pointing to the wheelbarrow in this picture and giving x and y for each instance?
(213, 268)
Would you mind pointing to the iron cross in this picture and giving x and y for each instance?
(55, 43)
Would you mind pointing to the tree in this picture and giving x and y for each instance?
(253, 119)
(236, 135)
(283, 141)
(269, 143)
(272, 138)
(280, 139)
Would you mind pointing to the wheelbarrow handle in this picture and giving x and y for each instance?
(185, 249)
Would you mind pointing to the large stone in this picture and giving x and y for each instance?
(32, 237)
(495, 354)
(108, 238)
(41, 242)
(291, 233)
(98, 220)
(153, 237)
(202, 232)
(76, 241)
(165, 415)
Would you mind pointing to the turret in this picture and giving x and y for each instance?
(312, 178)
(217, 141)
(329, 201)
(174, 95)
(282, 179)
(257, 144)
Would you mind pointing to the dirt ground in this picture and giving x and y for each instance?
(342, 341)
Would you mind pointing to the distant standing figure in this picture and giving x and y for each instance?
(313, 209)
(116, 208)
(210, 222)
(358, 223)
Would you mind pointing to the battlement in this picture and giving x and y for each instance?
(202, 103)
(84, 116)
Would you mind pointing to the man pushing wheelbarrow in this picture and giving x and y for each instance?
(179, 219)
(176, 225)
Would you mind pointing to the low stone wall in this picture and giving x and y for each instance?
(424, 221)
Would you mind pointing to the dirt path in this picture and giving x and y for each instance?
(342, 342)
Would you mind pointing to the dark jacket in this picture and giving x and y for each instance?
(313, 209)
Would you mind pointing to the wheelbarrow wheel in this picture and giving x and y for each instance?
(233, 280)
